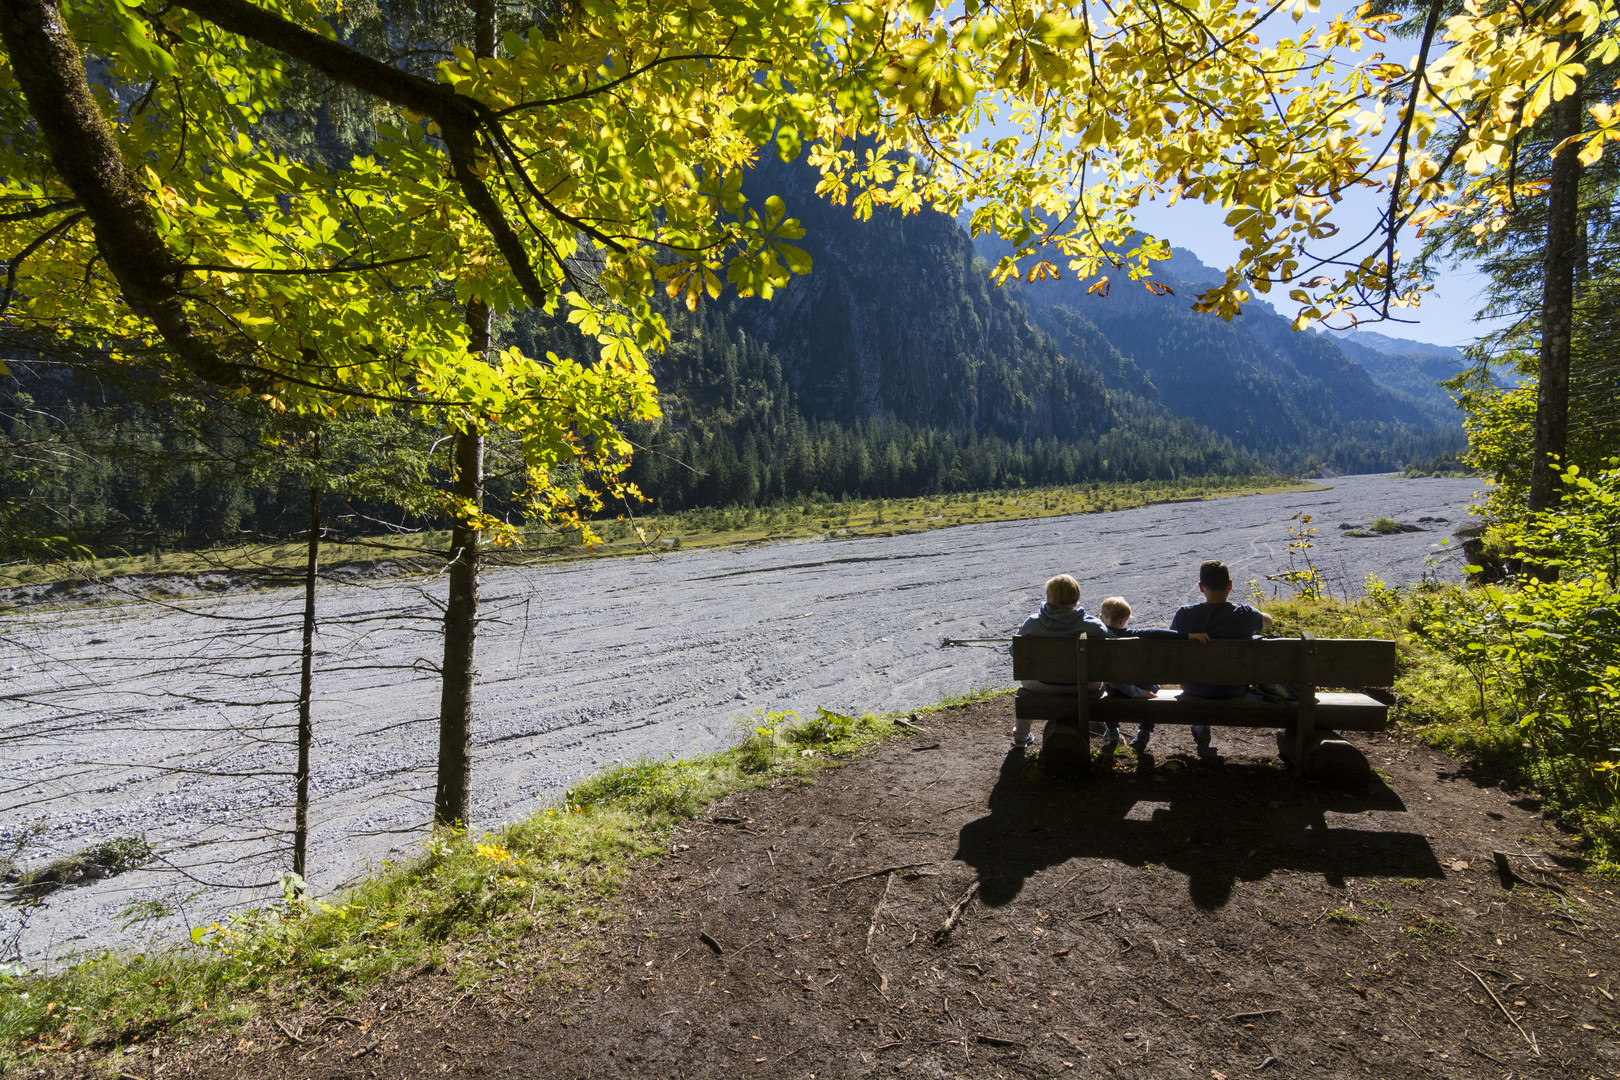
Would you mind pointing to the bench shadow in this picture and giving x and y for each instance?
(1235, 822)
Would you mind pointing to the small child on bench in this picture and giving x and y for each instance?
(1116, 615)
(1062, 617)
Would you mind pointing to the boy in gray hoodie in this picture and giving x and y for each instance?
(1060, 616)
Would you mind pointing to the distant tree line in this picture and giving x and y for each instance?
(87, 455)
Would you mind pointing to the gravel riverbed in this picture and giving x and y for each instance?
(174, 718)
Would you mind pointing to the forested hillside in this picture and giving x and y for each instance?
(1296, 399)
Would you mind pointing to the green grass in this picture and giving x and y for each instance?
(1440, 702)
(105, 859)
(706, 527)
(459, 906)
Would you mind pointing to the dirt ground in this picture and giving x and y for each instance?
(1220, 921)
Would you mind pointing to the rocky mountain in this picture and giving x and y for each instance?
(1413, 367)
(895, 367)
(1254, 379)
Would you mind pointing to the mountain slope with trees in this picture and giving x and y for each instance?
(1296, 399)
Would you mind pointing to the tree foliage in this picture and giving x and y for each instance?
(1546, 653)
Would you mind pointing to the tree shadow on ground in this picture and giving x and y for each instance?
(1234, 822)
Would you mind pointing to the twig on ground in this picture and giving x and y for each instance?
(871, 929)
(1172, 1006)
(996, 1040)
(285, 1030)
(1253, 1015)
(1486, 987)
(957, 909)
(874, 873)
(363, 1051)
(703, 936)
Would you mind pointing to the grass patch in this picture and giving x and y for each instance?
(101, 860)
(1439, 701)
(459, 906)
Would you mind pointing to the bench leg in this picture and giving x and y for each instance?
(1326, 758)
(1065, 749)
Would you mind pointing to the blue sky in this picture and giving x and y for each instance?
(1446, 316)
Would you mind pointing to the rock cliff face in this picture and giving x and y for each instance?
(897, 321)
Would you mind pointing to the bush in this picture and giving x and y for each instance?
(1542, 652)
(763, 744)
(826, 727)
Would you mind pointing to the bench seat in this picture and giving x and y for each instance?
(1334, 710)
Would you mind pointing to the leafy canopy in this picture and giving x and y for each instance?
(596, 161)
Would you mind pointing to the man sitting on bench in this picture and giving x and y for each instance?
(1214, 618)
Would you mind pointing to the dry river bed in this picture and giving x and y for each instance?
(173, 719)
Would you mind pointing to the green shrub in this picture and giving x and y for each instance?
(763, 744)
(652, 787)
(824, 728)
(1542, 653)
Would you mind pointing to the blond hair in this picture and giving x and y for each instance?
(1062, 591)
(1115, 608)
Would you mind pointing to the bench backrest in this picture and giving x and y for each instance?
(1321, 662)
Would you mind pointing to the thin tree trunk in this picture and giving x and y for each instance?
(450, 797)
(305, 679)
(1557, 304)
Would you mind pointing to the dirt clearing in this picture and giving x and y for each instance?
(1186, 920)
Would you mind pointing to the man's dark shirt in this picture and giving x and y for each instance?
(1223, 620)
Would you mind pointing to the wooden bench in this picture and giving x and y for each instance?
(1308, 725)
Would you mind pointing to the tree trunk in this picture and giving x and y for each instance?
(461, 612)
(451, 796)
(1557, 304)
(305, 678)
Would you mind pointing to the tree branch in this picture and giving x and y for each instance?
(85, 153)
(459, 117)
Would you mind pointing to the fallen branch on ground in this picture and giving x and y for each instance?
(1477, 978)
(957, 909)
(872, 929)
(875, 873)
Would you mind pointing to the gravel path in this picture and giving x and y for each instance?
(174, 719)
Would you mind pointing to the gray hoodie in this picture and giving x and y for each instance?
(1049, 622)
